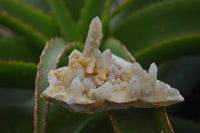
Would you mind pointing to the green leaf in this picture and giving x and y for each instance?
(134, 7)
(180, 123)
(29, 15)
(101, 124)
(113, 14)
(36, 38)
(17, 74)
(48, 61)
(107, 9)
(65, 22)
(16, 119)
(116, 48)
(92, 8)
(14, 49)
(136, 120)
(40, 4)
(158, 22)
(61, 120)
(75, 7)
(169, 50)
(13, 97)
(184, 75)
(138, 4)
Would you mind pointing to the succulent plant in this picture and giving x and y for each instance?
(33, 42)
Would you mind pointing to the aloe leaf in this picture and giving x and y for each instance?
(17, 74)
(184, 75)
(176, 75)
(36, 38)
(10, 97)
(62, 120)
(16, 119)
(138, 4)
(140, 121)
(134, 7)
(92, 8)
(40, 4)
(179, 123)
(48, 61)
(116, 48)
(65, 22)
(101, 124)
(14, 49)
(169, 50)
(107, 9)
(114, 13)
(29, 15)
(75, 7)
(158, 22)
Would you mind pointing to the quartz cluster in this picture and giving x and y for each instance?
(97, 81)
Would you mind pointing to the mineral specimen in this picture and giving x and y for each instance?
(94, 81)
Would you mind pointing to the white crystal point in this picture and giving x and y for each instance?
(94, 37)
(94, 81)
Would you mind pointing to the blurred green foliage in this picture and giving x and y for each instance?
(166, 32)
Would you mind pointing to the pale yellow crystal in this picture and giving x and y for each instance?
(95, 81)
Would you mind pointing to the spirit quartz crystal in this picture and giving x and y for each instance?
(96, 81)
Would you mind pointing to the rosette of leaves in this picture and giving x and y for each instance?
(33, 41)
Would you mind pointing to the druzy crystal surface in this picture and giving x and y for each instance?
(96, 81)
